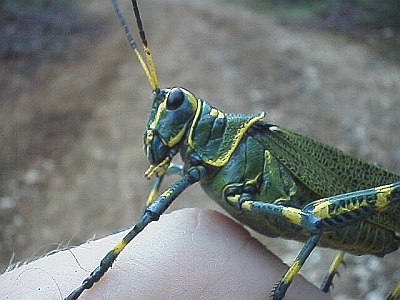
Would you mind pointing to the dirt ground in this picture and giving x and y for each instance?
(71, 131)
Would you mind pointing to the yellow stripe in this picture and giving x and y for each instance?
(192, 99)
(292, 214)
(161, 108)
(223, 159)
(395, 294)
(383, 192)
(177, 138)
(247, 205)
(152, 196)
(193, 125)
(292, 272)
(322, 209)
(336, 262)
(216, 113)
(119, 246)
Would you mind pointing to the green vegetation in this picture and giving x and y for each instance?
(376, 23)
(370, 14)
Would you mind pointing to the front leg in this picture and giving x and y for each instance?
(151, 213)
(173, 169)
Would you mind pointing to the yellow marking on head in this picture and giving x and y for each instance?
(159, 169)
(119, 246)
(192, 99)
(149, 137)
(177, 138)
(161, 107)
(292, 214)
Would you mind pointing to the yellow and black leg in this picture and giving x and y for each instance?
(173, 169)
(333, 270)
(241, 196)
(281, 287)
(352, 207)
(395, 294)
(327, 213)
(295, 216)
(152, 213)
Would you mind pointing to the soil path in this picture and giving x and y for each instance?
(71, 139)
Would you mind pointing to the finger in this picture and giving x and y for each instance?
(189, 253)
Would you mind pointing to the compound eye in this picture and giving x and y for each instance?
(175, 98)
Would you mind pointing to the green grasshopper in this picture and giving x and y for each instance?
(276, 181)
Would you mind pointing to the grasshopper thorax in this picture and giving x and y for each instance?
(172, 111)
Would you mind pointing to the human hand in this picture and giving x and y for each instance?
(188, 254)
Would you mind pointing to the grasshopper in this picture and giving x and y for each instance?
(274, 180)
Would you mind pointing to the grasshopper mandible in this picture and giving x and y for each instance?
(263, 175)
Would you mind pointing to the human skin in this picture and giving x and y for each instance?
(188, 254)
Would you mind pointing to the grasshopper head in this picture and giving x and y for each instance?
(172, 111)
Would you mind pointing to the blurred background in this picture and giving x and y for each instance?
(74, 104)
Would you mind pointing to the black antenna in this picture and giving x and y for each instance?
(148, 68)
(149, 57)
(139, 22)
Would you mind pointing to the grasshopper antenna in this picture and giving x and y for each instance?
(149, 57)
(148, 67)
